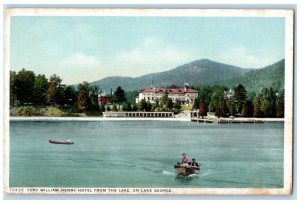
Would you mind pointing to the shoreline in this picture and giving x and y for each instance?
(93, 119)
(43, 118)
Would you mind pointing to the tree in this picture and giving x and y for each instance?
(216, 98)
(114, 108)
(268, 101)
(119, 95)
(240, 95)
(202, 110)
(247, 110)
(177, 106)
(40, 90)
(134, 107)
(164, 99)
(131, 96)
(70, 96)
(94, 92)
(108, 108)
(256, 109)
(12, 88)
(102, 108)
(280, 105)
(24, 86)
(232, 108)
(54, 90)
(169, 104)
(196, 104)
(83, 99)
(142, 105)
(127, 107)
(204, 95)
(166, 102)
(223, 110)
(87, 98)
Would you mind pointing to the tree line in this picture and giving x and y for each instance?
(237, 102)
(28, 88)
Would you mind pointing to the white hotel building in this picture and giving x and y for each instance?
(184, 96)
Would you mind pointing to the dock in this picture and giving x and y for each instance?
(136, 114)
(226, 120)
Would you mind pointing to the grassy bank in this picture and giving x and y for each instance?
(48, 111)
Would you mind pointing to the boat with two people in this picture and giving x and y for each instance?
(187, 168)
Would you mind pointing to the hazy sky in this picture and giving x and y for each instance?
(92, 48)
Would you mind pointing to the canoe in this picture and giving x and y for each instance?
(58, 142)
(186, 170)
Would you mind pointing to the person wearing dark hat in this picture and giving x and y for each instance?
(194, 163)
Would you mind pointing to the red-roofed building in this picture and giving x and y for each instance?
(103, 100)
(184, 96)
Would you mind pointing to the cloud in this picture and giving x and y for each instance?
(241, 57)
(79, 67)
(152, 55)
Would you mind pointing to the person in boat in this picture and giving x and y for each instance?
(185, 160)
(68, 140)
(194, 163)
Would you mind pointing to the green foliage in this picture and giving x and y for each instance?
(114, 107)
(166, 103)
(222, 110)
(24, 83)
(232, 108)
(196, 104)
(40, 90)
(144, 105)
(268, 106)
(176, 107)
(247, 109)
(102, 108)
(131, 96)
(240, 95)
(127, 106)
(255, 80)
(134, 107)
(108, 108)
(70, 96)
(257, 113)
(204, 95)
(54, 90)
(280, 105)
(83, 101)
(87, 98)
(216, 97)
(119, 95)
(26, 111)
(202, 110)
(12, 89)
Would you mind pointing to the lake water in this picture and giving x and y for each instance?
(143, 154)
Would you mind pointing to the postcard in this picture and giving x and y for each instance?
(148, 101)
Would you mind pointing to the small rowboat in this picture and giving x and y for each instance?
(186, 170)
(58, 142)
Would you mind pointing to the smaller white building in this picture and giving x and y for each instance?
(184, 96)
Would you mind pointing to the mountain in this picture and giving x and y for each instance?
(255, 80)
(197, 73)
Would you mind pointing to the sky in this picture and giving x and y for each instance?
(79, 48)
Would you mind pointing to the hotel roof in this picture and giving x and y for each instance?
(169, 90)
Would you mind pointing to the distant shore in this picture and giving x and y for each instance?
(35, 118)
